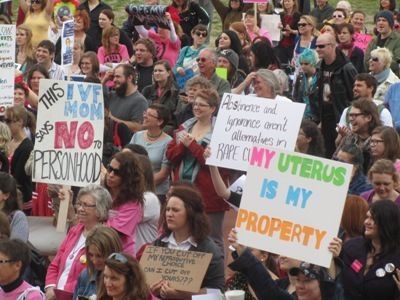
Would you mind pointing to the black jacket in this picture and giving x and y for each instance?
(341, 82)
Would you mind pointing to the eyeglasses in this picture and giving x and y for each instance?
(6, 261)
(379, 183)
(202, 59)
(199, 33)
(110, 169)
(375, 142)
(200, 104)
(302, 24)
(338, 16)
(355, 115)
(118, 257)
(145, 113)
(322, 46)
(375, 59)
(84, 205)
(36, 1)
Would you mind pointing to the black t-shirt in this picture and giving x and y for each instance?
(145, 76)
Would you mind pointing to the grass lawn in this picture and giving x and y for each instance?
(370, 7)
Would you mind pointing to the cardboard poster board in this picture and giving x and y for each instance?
(7, 66)
(184, 270)
(69, 133)
(246, 120)
(292, 204)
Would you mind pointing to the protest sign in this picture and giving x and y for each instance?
(7, 66)
(184, 270)
(245, 120)
(67, 42)
(270, 23)
(69, 135)
(292, 204)
(147, 14)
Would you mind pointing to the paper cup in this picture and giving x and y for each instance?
(234, 295)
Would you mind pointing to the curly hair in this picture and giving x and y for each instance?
(136, 287)
(195, 214)
(132, 184)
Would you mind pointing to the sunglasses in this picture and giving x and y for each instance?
(302, 24)
(199, 33)
(375, 59)
(201, 59)
(110, 169)
(118, 257)
(322, 46)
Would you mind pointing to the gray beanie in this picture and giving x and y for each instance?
(387, 15)
(231, 56)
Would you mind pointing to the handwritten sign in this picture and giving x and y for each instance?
(67, 42)
(7, 66)
(184, 270)
(292, 204)
(69, 135)
(245, 120)
(270, 23)
(147, 14)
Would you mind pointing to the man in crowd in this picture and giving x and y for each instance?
(127, 104)
(364, 87)
(207, 62)
(145, 52)
(335, 87)
(322, 12)
(45, 56)
(387, 38)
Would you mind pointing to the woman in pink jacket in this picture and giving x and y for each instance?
(92, 208)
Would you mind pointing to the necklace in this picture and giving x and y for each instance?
(79, 245)
(153, 137)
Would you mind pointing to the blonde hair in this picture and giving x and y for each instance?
(28, 47)
(384, 56)
(311, 21)
(5, 137)
(105, 39)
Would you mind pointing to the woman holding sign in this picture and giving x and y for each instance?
(371, 262)
(185, 152)
(185, 227)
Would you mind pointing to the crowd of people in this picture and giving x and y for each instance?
(162, 86)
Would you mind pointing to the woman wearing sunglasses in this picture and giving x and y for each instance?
(185, 227)
(123, 279)
(92, 207)
(38, 15)
(371, 262)
(186, 62)
(101, 242)
(125, 182)
(379, 66)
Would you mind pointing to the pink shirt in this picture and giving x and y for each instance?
(166, 49)
(261, 32)
(124, 219)
(114, 57)
(32, 295)
(361, 40)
